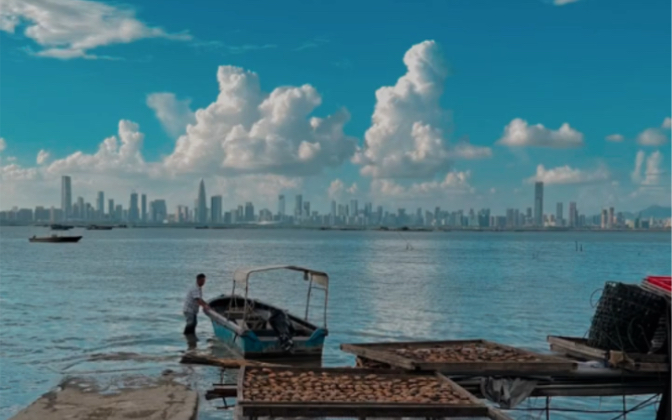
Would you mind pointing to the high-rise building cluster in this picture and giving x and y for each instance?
(351, 213)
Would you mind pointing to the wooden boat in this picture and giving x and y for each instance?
(260, 330)
(98, 227)
(54, 238)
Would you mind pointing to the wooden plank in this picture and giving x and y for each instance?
(414, 344)
(241, 384)
(379, 356)
(360, 410)
(383, 352)
(577, 346)
(498, 368)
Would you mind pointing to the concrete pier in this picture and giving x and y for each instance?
(137, 398)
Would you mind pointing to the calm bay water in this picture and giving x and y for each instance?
(113, 301)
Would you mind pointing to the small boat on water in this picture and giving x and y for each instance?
(98, 227)
(54, 238)
(60, 227)
(258, 330)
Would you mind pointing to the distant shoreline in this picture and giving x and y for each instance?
(410, 229)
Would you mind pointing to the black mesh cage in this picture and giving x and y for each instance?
(626, 318)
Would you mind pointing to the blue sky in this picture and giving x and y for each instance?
(602, 67)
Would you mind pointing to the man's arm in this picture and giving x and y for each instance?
(203, 304)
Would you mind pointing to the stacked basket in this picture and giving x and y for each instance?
(626, 319)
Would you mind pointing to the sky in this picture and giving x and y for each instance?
(459, 104)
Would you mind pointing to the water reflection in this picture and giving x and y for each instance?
(121, 291)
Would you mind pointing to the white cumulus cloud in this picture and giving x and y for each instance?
(174, 114)
(248, 131)
(42, 157)
(119, 155)
(518, 133)
(667, 123)
(563, 175)
(407, 135)
(616, 138)
(651, 137)
(563, 2)
(338, 190)
(3, 144)
(648, 170)
(454, 183)
(67, 29)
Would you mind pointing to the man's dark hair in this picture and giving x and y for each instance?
(200, 276)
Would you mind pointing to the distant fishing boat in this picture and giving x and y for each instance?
(54, 238)
(97, 227)
(60, 227)
(260, 330)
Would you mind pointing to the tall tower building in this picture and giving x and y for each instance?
(133, 210)
(100, 205)
(354, 207)
(558, 214)
(573, 219)
(539, 204)
(298, 206)
(202, 210)
(610, 220)
(281, 206)
(143, 208)
(66, 197)
(110, 209)
(249, 212)
(216, 209)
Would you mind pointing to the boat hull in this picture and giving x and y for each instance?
(262, 344)
(59, 239)
(250, 346)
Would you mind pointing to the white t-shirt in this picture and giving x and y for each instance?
(190, 304)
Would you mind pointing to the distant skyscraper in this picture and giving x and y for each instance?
(333, 208)
(101, 204)
(159, 211)
(281, 205)
(216, 209)
(354, 207)
(143, 207)
(610, 220)
(306, 209)
(538, 203)
(81, 208)
(202, 215)
(110, 209)
(119, 212)
(603, 221)
(66, 197)
(133, 210)
(573, 216)
(298, 206)
(249, 212)
(558, 214)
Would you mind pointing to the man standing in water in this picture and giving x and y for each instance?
(192, 302)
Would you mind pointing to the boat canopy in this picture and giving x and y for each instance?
(242, 275)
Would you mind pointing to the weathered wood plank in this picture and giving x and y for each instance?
(383, 352)
(360, 410)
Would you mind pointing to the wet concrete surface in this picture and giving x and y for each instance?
(163, 398)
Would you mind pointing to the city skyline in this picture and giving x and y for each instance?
(451, 113)
(348, 213)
